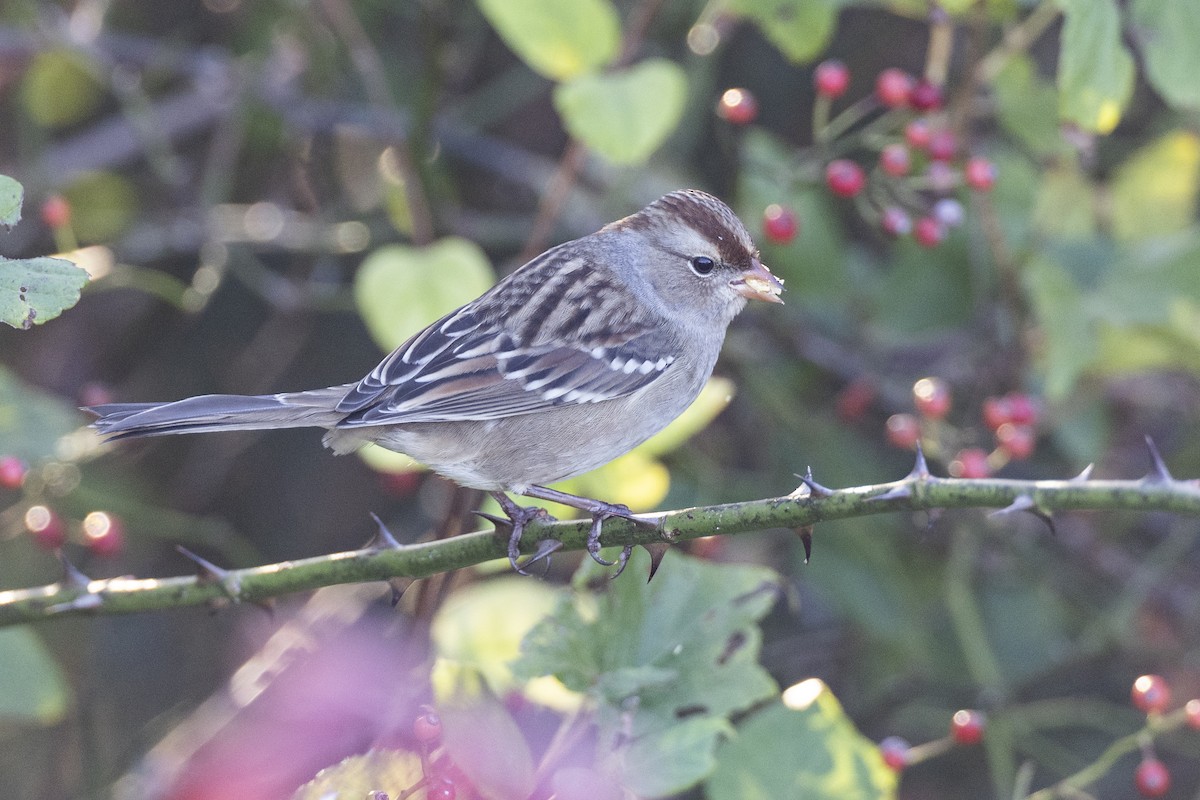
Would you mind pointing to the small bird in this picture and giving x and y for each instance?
(572, 360)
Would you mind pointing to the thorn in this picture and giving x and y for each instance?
(72, 577)
(1085, 475)
(399, 586)
(267, 604)
(920, 469)
(383, 539)
(656, 550)
(622, 561)
(209, 572)
(817, 489)
(1025, 502)
(805, 535)
(85, 602)
(901, 492)
(499, 522)
(545, 549)
(1160, 474)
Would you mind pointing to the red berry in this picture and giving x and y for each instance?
(1151, 693)
(737, 106)
(103, 533)
(893, 86)
(46, 527)
(400, 484)
(895, 221)
(1192, 712)
(780, 223)
(56, 211)
(943, 145)
(1018, 441)
(12, 472)
(925, 96)
(966, 727)
(855, 400)
(894, 159)
(427, 727)
(844, 178)
(831, 78)
(970, 463)
(1152, 778)
(1023, 408)
(918, 133)
(980, 174)
(903, 430)
(931, 396)
(929, 232)
(894, 750)
(997, 411)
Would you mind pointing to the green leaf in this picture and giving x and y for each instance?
(683, 646)
(1154, 192)
(808, 751)
(484, 741)
(32, 422)
(624, 116)
(35, 290)
(11, 195)
(32, 688)
(390, 771)
(1095, 71)
(400, 289)
(1068, 342)
(1027, 107)
(59, 88)
(561, 39)
(801, 29)
(670, 761)
(1065, 205)
(102, 205)
(1166, 31)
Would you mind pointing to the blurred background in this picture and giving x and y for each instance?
(269, 196)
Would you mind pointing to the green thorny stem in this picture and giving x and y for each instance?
(809, 504)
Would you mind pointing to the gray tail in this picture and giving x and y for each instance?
(220, 412)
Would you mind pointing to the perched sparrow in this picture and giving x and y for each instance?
(572, 360)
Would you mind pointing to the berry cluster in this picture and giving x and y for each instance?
(440, 779)
(919, 161)
(1012, 419)
(967, 727)
(1151, 694)
(101, 532)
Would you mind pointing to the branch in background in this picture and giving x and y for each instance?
(808, 505)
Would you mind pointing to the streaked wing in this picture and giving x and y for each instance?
(531, 343)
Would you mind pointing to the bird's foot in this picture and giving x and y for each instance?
(519, 518)
(600, 511)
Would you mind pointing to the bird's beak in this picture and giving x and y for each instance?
(757, 283)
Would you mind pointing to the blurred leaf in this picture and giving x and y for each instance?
(59, 88)
(1015, 193)
(36, 290)
(801, 29)
(479, 629)
(1154, 191)
(484, 741)
(1067, 343)
(32, 422)
(561, 39)
(1026, 626)
(683, 645)
(668, 762)
(925, 291)
(636, 479)
(400, 289)
(390, 771)
(11, 195)
(812, 752)
(32, 689)
(381, 459)
(624, 116)
(1065, 205)
(1095, 71)
(581, 783)
(1166, 31)
(1027, 107)
(102, 205)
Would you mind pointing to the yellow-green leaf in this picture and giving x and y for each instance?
(1166, 31)
(400, 289)
(801, 29)
(35, 290)
(11, 195)
(1065, 205)
(59, 88)
(561, 39)
(32, 688)
(624, 116)
(1154, 192)
(392, 771)
(1095, 71)
(102, 205)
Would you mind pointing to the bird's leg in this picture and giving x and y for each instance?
(518, 518)
(600, 511)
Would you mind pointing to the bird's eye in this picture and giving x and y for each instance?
(702, 265)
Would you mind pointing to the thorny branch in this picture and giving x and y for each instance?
(807, 506)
